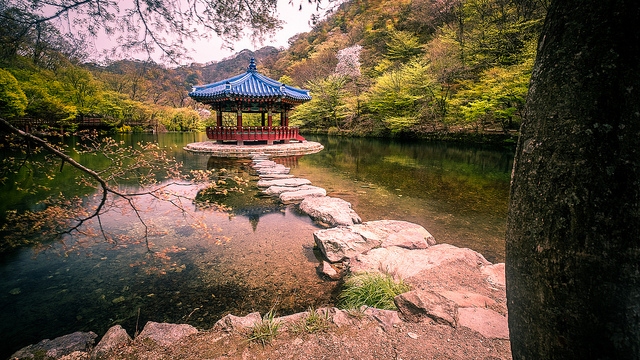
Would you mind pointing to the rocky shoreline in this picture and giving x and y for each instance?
(455, 292)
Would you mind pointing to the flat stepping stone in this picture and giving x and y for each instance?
(283, 182)
(278, 169)
(299, 195)
(277, 190)
(263, 164)
(276, 176)
(331, 211)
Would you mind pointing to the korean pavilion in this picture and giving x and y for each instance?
(251, 92)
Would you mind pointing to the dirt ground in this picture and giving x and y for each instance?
(365, 339)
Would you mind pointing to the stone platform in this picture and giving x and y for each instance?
(245, 151)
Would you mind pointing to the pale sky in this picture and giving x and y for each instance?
(295, 21)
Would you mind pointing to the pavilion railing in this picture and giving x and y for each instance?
(253, 133)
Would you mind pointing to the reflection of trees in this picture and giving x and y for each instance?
(121, 178)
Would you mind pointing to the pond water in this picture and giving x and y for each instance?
(257, 256)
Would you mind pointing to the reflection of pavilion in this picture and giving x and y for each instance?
(249, 201)
(251, 92)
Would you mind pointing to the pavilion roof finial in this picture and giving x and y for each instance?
(252, 65)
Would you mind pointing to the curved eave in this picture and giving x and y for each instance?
(250, 86)
(208, 99)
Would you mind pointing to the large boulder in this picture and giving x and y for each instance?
(283, 182)
(404, 263)
(488, 323)
(58, 347)
(395, 233)
(338, 244)
(302, 194)
(116, 337)
(165, 334)
(330, 211)
(464, 298)
(495, 274)
(346, 242)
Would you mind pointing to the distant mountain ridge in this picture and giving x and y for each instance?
(234, 65)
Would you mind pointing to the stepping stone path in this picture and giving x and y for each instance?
(278, 182)
(406, 251)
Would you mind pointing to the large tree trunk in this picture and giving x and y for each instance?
(573, 232)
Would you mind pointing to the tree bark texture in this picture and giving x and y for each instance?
(573, 229)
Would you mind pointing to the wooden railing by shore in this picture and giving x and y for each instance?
(83, 121)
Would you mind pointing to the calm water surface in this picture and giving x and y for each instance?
(258, 256)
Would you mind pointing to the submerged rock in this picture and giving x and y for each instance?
(330, 211)
(58, 347)
(346, 242)
(165, 334)
(116, 337)
(325, 269)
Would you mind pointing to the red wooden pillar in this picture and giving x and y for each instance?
(219, 125)
(239, 127)
(269, 124)
(285, 122)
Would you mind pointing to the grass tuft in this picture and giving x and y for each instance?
(314, 321)
(371, 289)
(266, 330)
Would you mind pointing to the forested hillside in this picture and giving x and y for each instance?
(388, 68)
(374, 67)
(48, 85)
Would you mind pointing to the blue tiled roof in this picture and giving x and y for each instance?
(250, 85)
